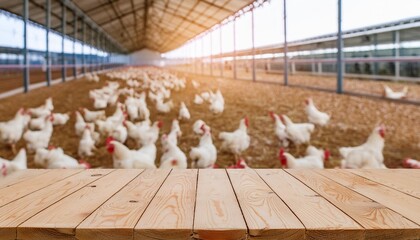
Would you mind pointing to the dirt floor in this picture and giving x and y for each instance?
(352, 119)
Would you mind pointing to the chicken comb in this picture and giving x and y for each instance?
(272, 114)
(327, 155)
(109, 140)
(160, 124)
(246, 121)
(174, 162)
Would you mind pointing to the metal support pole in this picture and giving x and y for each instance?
(221, 58)
(254, 73)
(90, 51)
(74, 45)
(47, 42)
(97, 51)
(211, 53)
(286, 65)
(83, 46)
(25, 46)
(339, 52)
(63, 35)
(234, 49)
(397, 53)
(375, 54)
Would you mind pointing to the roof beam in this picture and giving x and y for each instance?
(145, 18)
(103, 24)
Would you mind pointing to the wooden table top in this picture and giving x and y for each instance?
(210, 204)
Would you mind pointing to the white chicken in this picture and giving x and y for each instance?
(314, 159)
(55, 158)
(367, 155)
(126, 158)
(197, 127)
(18, 163)
(389, 93)
(314, 115)
(42, 110)
(80, 124)
(280, 129)
(120, 133)
(92, 116)
(143, 134)
(86, 144)
(238, 141)
(298, 133)
(176, 128)
(195, 84)
(205, 154)
(60, 118)
(164, 107)
(184, 114)
(41, 138)
(198, 100)
(11, 131)
(411, 163)
(173, 157)
(217, 102)
(37, 123)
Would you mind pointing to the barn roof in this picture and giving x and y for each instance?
(160, 25)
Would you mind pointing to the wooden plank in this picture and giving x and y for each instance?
(379, 221)
(402, 203)
(20, 176)
(17, 212)
(401, 180)
(170, 214)
(217, 212)
(60, 219)
(21, 189)
(266, 215)
(117, 217)
(321, 219)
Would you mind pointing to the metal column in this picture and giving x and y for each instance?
(83, 46)
(339, 52)
(254, 77)
(234, 49)
(90, 51)
(47, 41)
(25, 46)
(74, 45)
(286, 64)
(97, 51)
(397, 53)
(63, 35)
(375, 54)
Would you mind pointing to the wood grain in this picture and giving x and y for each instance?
(266, 215)
(17, 212)
(321, 219)
(404, 182)
(117, 217)
(379, 221)
(60, 219)
(402, 203)
(21, 189)
(217, 212)
(20, 176)
(170, 214)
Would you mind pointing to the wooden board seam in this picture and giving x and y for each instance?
(58, 200)
(354, 173)
(364, 232)
(76, 172)
(148, 204)
(23, 180)
(239, 204)
(281, 198)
